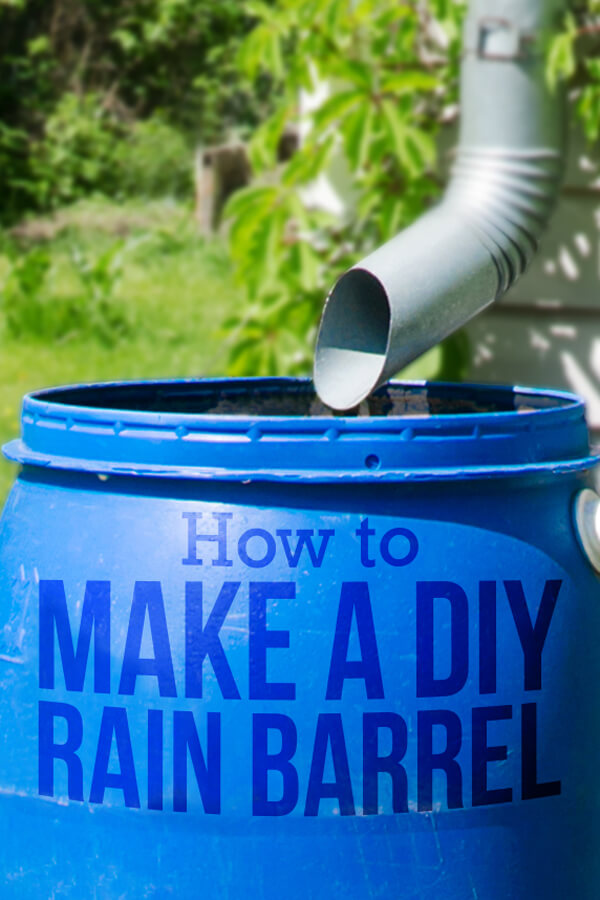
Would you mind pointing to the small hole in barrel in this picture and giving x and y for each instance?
(372, 461)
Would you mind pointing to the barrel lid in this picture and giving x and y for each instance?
(270, 429)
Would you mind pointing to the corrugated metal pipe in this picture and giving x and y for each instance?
(466, 252)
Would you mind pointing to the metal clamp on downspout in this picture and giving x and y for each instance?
(465, 253)
(501, 39)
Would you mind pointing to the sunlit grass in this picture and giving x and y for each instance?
(177, 290)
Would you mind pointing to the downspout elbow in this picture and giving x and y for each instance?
(465, 253)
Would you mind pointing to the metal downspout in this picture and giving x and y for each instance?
(465, 253)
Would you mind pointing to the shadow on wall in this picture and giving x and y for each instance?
(546, 331)
(541, 347)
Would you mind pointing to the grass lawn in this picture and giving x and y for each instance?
(167, 301)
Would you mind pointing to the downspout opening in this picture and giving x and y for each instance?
(353, 340)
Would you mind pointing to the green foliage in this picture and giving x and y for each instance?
(78, 76)
(561, 57)
(392, 70)
(574, 58)
(36, 303)
(155, 160)
(392, 73)
(85, 149)
(588, 102)
(15, 183)
(173, 289)
(111, 274)
(76, 155)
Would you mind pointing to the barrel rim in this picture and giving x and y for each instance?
(321, 448)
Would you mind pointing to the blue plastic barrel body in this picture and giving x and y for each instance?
(253, 650)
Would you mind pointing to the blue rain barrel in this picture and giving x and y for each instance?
(250, 649)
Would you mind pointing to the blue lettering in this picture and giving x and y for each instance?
(305, 539)
(483, 754)
(531, 789)
(411, 551)
(147, 598)
(264, 762)
(94, 614)
(262, 639)
(427, 593)
(49, 750)
(114, 724)
(355, 601)
(389, 763)
(207, 772)
(270, 548)
(532, 637)
(487, 637)
(428, 761)
(203, 641)
(364, 533)
(155, 759)
(220, 538)
(329, 735)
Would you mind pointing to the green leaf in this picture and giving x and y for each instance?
(260, 52)
(250, 199)
(335, 13)
(305, 264)
(396, 126)
(268, 257)
(309, 161)
(420, 149)
(389, 214)
(336, 107)
(560, 61)
(356, 72)
(126, 39)
(258, 10)
(588, 110)
(414, 148)
(39, 45)
(407, 82)
(265, 140)
(356, 134)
